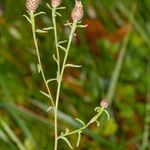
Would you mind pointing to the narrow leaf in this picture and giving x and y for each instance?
(64, 49)
(49, 108)
(48, 6)
(62, 42)
(74, 66)
(45, 94)
(79, 138)
(48, 28)
(39, 68)
(58, 14)
(82, 26)
(50, 80)
(80, 121)
(98, 124)
(61, 8)
(108, 116)
(55, 58)
(40, 13)
(67, 141)
(28, 19)
(40, 31)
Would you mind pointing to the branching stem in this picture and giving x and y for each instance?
(60, 76)
(31, 13)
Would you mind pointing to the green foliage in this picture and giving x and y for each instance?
(23, 108)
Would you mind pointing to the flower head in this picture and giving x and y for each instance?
(32, 5)
(77, 12)
(104, 103)
(56, 3)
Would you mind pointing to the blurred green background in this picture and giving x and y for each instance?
(115, 64)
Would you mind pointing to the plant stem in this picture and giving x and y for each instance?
(38, 55)
(60, 80)
(56, 39)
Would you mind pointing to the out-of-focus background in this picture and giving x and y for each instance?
(114, 53)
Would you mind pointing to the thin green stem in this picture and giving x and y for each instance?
(56, 39)
(60, 80)
(38, 55)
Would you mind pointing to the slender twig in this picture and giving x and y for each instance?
(60, 81)
(38, 55)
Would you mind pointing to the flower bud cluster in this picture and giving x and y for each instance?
(32, 5)
(77, 12)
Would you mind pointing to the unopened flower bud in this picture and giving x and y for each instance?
(104, 103)
(56, 3)
(77, 12)
(32, 5)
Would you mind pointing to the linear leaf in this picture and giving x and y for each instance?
(40, 31)
(67, 141)
(62, 42)
(50, 80)
(63, 48)
(40, 13)
(74, 66)
(80, 121)
(28, 19)
(45, 94)
(48, 28)
(79, 138)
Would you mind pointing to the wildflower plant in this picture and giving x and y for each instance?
(76, 15)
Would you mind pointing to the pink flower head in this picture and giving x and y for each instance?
(104, 103)
(77, 12)
(56, 3)
(32, 5)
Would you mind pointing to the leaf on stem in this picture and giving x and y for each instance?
(50, 80)
(79, 138)
(58, 14)
(40, 13)
(82, 26)
(59, 8)
(66, 140)
(40, 31)
(55, 58)
(62, 42)
(48, 6)
(49, 108)
(67, 131)
(73, 66)
(48, 28)
(28, 19)
(45, 94)
(80, 121)
(68, 24)
(97, 109)
(39, 68)
(108, 116)
(61, 47)
(98, 124)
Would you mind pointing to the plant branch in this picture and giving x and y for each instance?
(73, 28)
(38, 55)
(56, 39)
